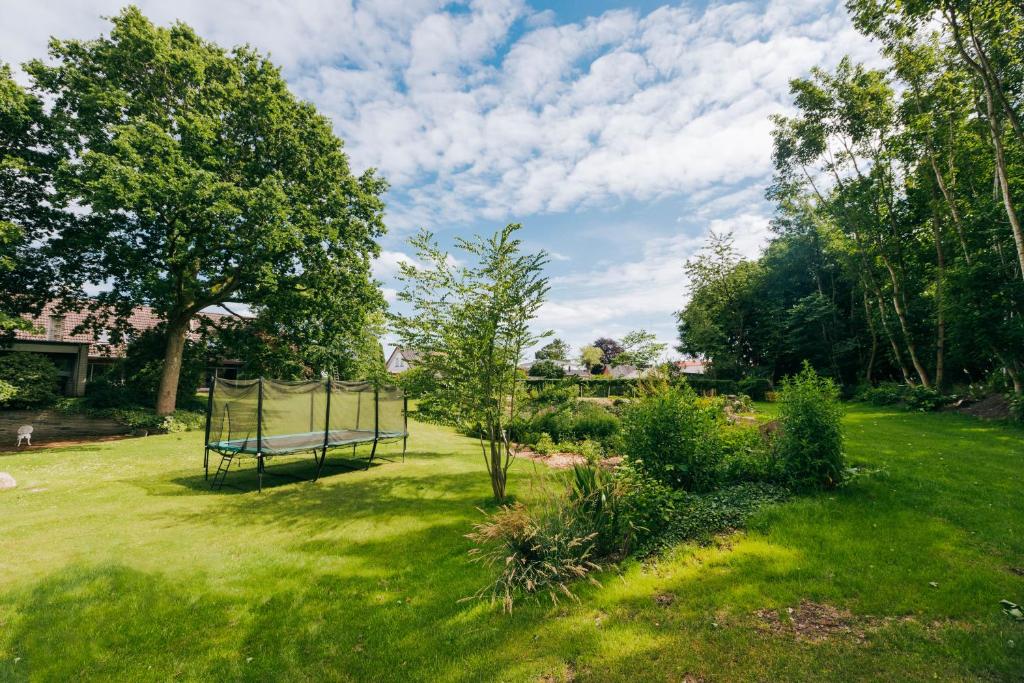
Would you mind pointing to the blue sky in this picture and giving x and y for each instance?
(618, 134)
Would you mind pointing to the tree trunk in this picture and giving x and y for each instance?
(892, 340)
(166, 397)
(1004, 184)
(901, 315)
(494, 467)
(954, 212)
(874, 339)
(940, 318)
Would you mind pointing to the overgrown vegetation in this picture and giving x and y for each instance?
(31, 380)
(691, 470)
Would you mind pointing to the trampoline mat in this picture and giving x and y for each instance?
(306, 441)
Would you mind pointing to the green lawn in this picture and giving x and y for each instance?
(116, 562)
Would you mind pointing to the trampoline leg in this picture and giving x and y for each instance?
(259, 473)
(319, 463)
(405, 443)
(206, 464)
(373, 450)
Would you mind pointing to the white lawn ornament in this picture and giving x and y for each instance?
(25, 432)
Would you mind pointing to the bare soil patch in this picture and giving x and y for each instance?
(994, 407)
(564, 461)
(812, 622)
(7, 450)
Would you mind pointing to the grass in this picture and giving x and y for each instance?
(116, 562)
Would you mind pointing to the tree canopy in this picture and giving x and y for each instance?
(897, 249)
(203, 180)
(470, 325)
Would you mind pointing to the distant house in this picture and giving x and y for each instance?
(691, 366)
(570, 368)
(80, 357)
(401, 360)
(623, 372)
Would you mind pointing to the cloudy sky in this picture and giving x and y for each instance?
(618, 134)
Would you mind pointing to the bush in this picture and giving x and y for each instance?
(648, 507)
(674, 438)
(699, 517)
(747, 455)
(575, 421)
(810, 445)
(545, 445)
(755, 387)
(552, 393)
(910, 397)
(7, 392)
(33, 376)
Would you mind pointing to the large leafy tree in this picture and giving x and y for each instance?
(470, 325)
(28, 212)
(610, 348)
(202, 180)
(640, 348)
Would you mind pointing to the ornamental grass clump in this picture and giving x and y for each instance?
(534, 554)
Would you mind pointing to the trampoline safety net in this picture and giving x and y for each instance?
(262, 418)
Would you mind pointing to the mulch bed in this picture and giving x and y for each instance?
(564, 461)
(994, 407)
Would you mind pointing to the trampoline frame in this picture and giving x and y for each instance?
(228, 454)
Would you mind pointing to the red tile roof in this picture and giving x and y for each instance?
(142, 318)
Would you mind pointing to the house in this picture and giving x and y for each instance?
(623, 372)
(401, 360)
(81, 357)
(570, 368)
(691, 366)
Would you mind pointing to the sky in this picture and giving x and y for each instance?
(618, 134)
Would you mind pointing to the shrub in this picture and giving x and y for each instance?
(34, 377)
(755, 387)
(545, 445)
(552, 393)
(7, 392)
(534, 553)
(810, 445)
(595, 502)
(747, 455)
(647, 507)
(698, 517)
(577, 420)
(674, 437)
(910, 397)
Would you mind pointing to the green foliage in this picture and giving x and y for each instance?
(910, 397)
(754, 387)
(29, 210)
(469, 325)
(748, 455)
(137, 418)
(7, 392)
(810, 445)
(576, 420)
(591, 356)
(545, 445)
(556, 349)
(206, 181)
(547, 369)
(640, 349)
(555, 394)
(648, 507)
(707, 385)
(135, 379)
(34, 377)
(698, 517)
(674, 437)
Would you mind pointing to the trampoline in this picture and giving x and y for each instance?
(263, 418)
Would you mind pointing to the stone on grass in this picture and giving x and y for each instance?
(7, 481)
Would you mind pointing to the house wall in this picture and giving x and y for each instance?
(71, 358)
